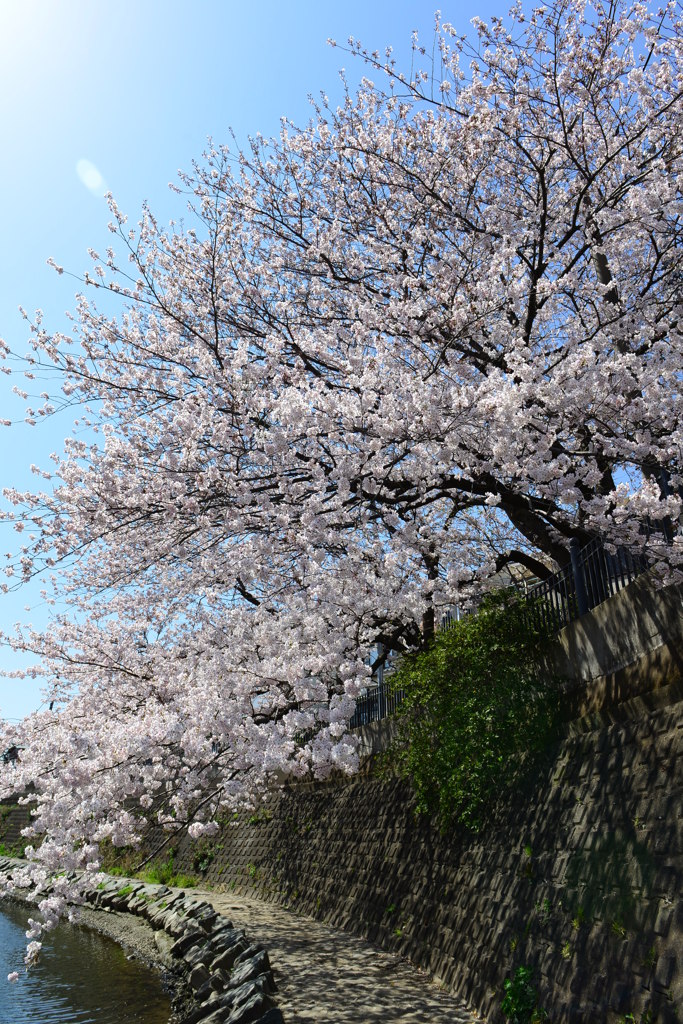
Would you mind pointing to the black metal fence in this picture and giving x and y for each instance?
(593, 575)
(376, 703)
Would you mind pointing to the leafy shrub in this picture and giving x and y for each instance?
(520, 1003)
(477, 708)
(204, 855)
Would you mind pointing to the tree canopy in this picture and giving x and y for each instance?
(434, 332)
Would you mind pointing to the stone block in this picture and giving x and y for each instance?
(187, 942)
(200, 955)
(663, 920)
(175, 924)
(272, 1016)
(664, 970)
(248, 969)
(218, 1016)
(206, 992)
(620, 997)
(163, 942)
(227, 937)
(199, 975)
(226, 959)
(667, 881)
(250, 1010)
(206, 1007)
(219, 980)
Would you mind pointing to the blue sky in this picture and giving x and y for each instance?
(133, 90)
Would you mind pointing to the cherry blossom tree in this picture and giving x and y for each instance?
(432, 333)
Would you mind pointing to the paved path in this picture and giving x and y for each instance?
(324, 974)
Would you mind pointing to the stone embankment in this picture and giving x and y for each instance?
(225, 978)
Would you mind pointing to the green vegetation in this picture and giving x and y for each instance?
(12, 850)
(163, 873)
(650, 960)
(528, 870)
(253, 872)
(578, 919)
(203, 856)
(478, 709)
(122, 861)
(260, 817)
(118, 860)
(520, 1003)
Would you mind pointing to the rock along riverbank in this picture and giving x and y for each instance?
(218, 975)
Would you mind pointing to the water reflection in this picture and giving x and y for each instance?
(81, 978)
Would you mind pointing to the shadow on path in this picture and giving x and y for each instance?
(324, 974)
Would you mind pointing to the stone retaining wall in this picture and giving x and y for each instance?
(628, 645)
(579, 878)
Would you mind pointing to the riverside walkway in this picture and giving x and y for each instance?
(326, 975)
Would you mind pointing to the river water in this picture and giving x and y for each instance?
(80, 978)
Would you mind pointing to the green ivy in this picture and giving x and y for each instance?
(478, 708)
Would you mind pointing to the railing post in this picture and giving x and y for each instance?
(381, 696)
(665, 491)
(579, 581)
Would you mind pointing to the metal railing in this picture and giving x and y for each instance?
(593, 575)
(376, 703)
(10, 755)
(381, 699)
(552, 602)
